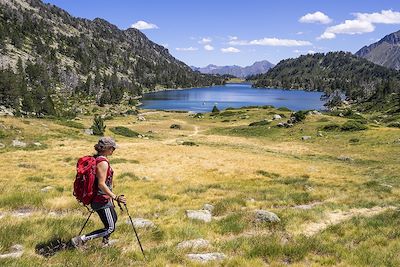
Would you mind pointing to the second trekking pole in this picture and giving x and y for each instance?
(134, 229)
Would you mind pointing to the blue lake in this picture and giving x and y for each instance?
(230, 95)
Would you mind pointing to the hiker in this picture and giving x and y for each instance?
(102, 202)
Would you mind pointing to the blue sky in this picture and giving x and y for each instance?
(240, 32)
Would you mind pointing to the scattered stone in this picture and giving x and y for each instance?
(387, 185)
(345, 158)
(244, 117)
(6, 111)
(175, 126)
(2, 214)
(16, 251)
(276, 117)
(2, 145)
(307, 206)
(141, 118)
(22, 213)
(376, 122)
(37, 144)
(266, 216)
(308, 188)
(141, 223)
(319, 134)
(206, 257)
(341, 115)
(208, 207)
(193, 244)
(316, 112)
(146, 178)
(305, 138)
(17, 143)
(47, 189)
(201, 215)
(88, 131)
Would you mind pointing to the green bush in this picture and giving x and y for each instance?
(353, 126)
(98, 126)
(299, 115)
(215, 109)
(121, 130)
(331, 127)
(284, 109)
(259, 123)
(395, 124)
(72, 124)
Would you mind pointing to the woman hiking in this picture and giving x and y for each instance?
(103, 201)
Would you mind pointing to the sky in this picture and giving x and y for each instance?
(240, 32)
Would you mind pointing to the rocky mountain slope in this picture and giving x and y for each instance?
(237, 71)
(54, 52)
(385, 52)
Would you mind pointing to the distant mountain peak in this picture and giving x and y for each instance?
(257, 67)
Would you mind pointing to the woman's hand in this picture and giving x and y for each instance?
(121, 199)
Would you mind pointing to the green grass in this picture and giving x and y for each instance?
(124, 131)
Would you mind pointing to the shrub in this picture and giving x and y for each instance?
(395, 124)
(215, 109)
(299, 115)
(121, 130)
(354, 140)
(284, 109)
(98, 126)
(353, 126)
(259, 123)
(331, 127)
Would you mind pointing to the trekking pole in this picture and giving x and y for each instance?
(86, 222)
(133, 226)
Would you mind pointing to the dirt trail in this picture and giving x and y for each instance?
(174, 140)
(336, 217)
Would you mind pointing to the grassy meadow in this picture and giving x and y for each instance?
(336, 193)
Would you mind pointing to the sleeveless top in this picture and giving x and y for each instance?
(102, 199)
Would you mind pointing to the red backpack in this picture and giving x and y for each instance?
(85, 188)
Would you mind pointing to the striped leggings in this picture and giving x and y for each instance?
(109, 217)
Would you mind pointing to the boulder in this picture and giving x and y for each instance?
(88, 131)
(47, 189)
(316, 112)
(141, 223)
(37, 144)
(206, 257)
(2, 145)
(141, 118)
(201, 215)
(208, 207)
(17, 143)
(193, 244)
(276, 117)
(16, 251)
(266, 216)
(6, 111)
(305, 138)
(175, 126)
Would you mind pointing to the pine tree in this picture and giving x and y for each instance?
(98, 126)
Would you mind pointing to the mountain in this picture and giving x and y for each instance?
(358, 78)
(45, 54)
(385, 52)
(237, 71)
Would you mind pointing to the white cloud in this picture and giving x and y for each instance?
(185, 49)
(205, 40)
(143, 25)
(385, 17)
(299, 33)
(304, 52)
(231, 38)
(230, 50)
(208, 47)
(316, 17)
(363, 23)
(271, 42)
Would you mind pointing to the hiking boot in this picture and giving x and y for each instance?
(77, 241)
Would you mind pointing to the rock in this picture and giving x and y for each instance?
(146, 178)
(281, 124)
(266, 216)
(47, 189)
(206, 257)
(141, 223)
(175, 126)
(244, 117)
(37, 144)
(316, 112)
(305, 138)
(345, 158)
(341, 115)
(307, 206)
(16, 251)
(376, 122)
(22, 213)
(319, 134)
(193, 244)
(2, 145)
(88, 131)
(17, 143)
(201, 215)
(276, 117)
(141, 118)
(6, 111)
(208, 207)
(2, 214)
